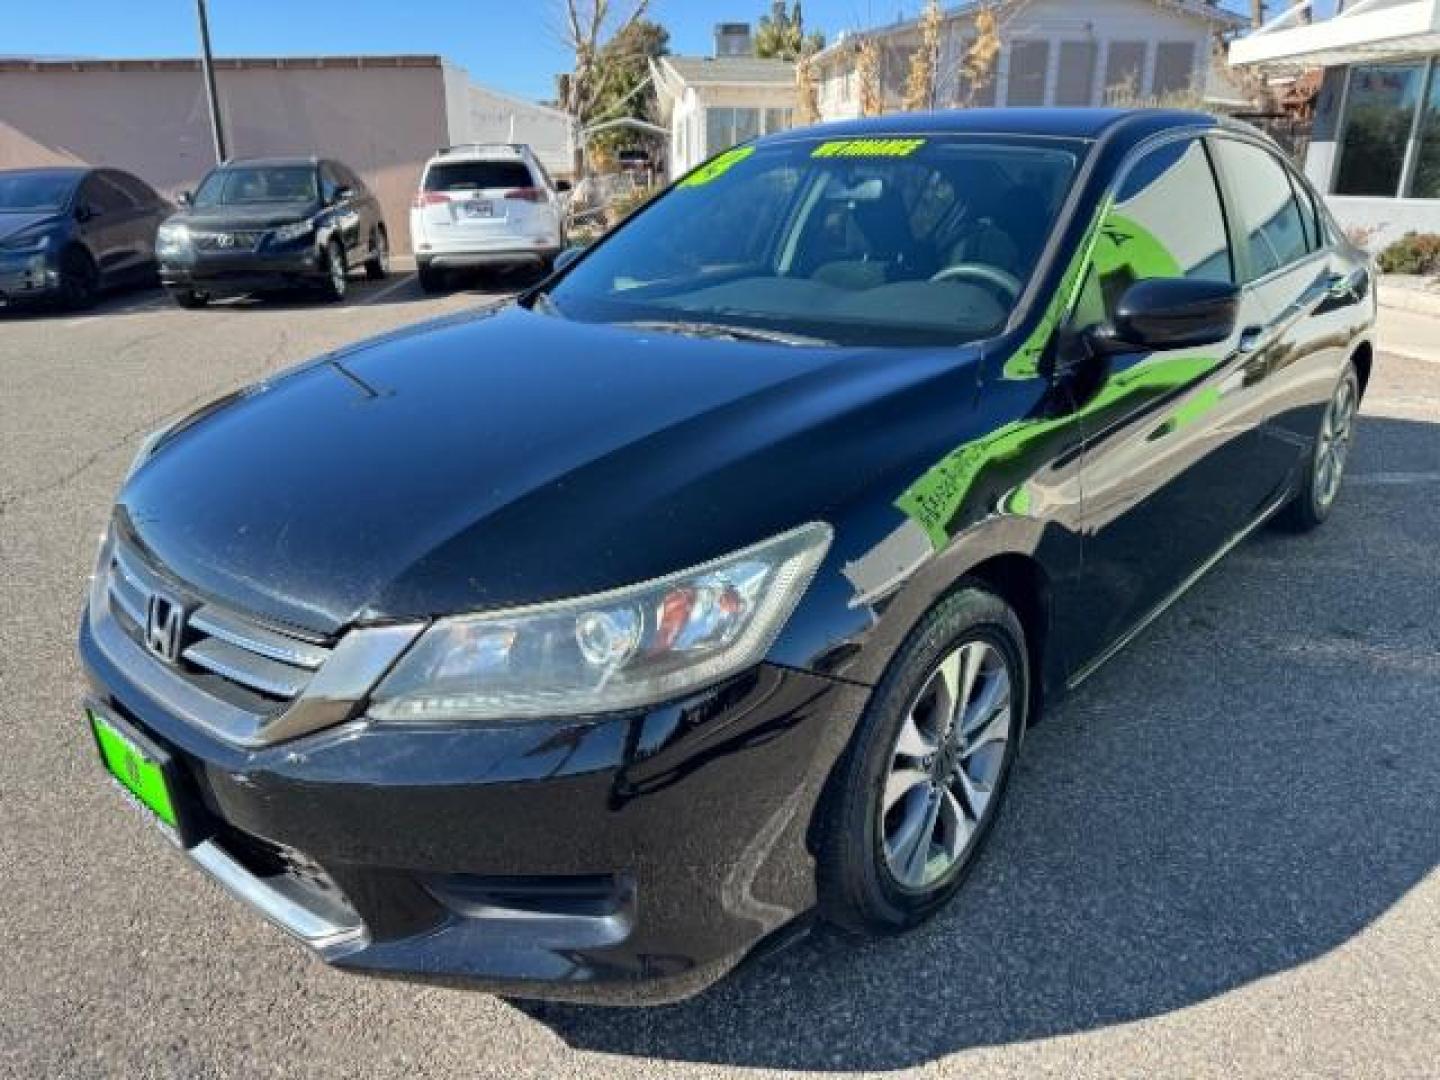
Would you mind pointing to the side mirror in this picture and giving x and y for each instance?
(186, 199)
(566, 257)
(563, 186)
(1169, 313)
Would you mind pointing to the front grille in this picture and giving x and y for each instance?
(255, 667)
(226, 241)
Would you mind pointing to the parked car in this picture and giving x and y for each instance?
(485, 205)
(67, 233)
(574, 648)
(273, 223)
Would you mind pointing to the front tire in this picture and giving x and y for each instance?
(377, 266)
(1325, 468)
(79, 280)
(337, 273)
(189, 298)
(918, 791)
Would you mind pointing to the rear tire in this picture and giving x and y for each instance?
(431, 280)
(1325, 467)
(914, 799)
(189, 298)
(79, 280)
(377, 267)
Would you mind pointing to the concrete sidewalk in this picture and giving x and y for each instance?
(1409, 323)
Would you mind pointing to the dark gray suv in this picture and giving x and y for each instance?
(67, 233)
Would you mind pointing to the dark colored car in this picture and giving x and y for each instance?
(574, 649)
(273, 223)
(66, 233)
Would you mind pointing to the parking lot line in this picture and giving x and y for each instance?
(393, 287)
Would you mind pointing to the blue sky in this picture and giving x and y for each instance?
(510, 45)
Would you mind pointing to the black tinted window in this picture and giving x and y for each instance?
(99, 193)
(1166, 221)
(139, 191)
(1269, 216)
(464, 175)
(243, 184)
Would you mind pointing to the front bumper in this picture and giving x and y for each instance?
(26, 277)
(243, 271)
(623, 859)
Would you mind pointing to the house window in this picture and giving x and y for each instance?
(1125, 67)
(779, 120)
(1028, 62)
(1075, 80)
(1379, 115)
(724, 127)
(1174, 67)
(1426, 184)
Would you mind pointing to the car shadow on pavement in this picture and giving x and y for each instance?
(1245, 789)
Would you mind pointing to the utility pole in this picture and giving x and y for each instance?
(208, 67)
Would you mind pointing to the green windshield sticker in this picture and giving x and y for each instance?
(867, 148)
(717, 167)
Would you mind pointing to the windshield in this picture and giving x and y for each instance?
(258, 184)
(35, 191)
(886, 241)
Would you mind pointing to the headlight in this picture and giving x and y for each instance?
(618, 650)
(27, 243)
(294, 231)
(172, 237)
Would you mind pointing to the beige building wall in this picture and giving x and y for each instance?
(382, 116)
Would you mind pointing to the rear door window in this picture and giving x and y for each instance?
(1265, 203)
(477, 175)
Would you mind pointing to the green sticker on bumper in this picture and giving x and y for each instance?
(142, 777)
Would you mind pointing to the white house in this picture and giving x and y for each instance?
(1375, 144)
(710, 103)
(1053, 52)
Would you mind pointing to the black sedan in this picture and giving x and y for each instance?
(273, 224)
(66, 233)
(574, 649)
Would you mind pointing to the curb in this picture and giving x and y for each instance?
(1404, 298)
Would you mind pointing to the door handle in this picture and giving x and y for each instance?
(1252, 339)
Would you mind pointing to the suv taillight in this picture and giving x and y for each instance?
(526, 194)
(429, 198)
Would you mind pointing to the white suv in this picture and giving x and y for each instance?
(485, 205)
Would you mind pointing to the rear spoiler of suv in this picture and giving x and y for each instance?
(517, 148)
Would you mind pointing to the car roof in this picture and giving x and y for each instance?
(51, 170)
(481, 152)
(269, 162)
(1071, 123)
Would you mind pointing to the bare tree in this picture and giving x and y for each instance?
(977, 68)
(867, 73)
(807, 87)
(585, 26)
(924, 61)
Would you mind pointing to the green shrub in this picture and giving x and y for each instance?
(1413, 253)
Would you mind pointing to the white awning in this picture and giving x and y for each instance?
(1366, 31)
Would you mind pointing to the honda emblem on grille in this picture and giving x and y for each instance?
(164, 627)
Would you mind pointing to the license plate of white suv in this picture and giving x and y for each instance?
(479, 208)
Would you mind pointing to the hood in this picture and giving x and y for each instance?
(495, 460)
(14, 222)
(258, 216)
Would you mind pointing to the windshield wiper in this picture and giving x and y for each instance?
(729, 331)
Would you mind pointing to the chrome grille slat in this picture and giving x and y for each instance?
(267, 668)
(256, 639)
(247, 668)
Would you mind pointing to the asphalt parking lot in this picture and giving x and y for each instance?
(1220, 858)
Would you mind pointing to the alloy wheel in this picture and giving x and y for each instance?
(947, 762)
(1336, 434)
(337, 272)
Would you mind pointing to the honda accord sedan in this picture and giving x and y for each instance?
(575, 649)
